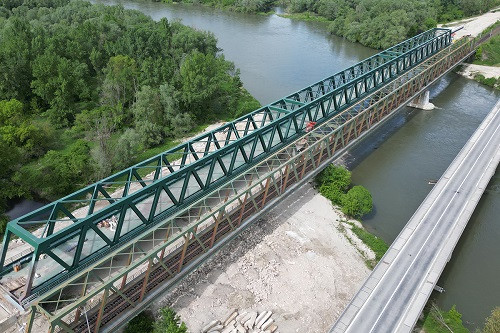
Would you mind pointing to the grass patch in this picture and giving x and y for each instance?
(376, 244)
(305, 16)
(142, 323)
(439, 321)
(488, 54)
(490, 82)
(269, 13)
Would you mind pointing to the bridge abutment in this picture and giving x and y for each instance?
(422, 102)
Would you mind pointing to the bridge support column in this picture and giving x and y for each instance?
(422, 102)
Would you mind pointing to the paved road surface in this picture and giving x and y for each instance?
(394, 295)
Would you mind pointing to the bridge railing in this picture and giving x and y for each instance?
(71, 240)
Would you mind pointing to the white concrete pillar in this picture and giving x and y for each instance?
(422, 102)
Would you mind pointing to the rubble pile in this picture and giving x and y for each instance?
(243, 322)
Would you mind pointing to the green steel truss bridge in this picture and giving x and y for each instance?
(107, 250)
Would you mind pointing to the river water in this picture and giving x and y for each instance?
(277, 56)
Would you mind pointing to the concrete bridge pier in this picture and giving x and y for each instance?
(422, 102)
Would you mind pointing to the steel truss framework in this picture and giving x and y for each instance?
(134, 273)
(141, 197)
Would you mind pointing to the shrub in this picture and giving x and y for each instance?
(169, 322)
(142, 323)
(357, 202)
(490, 82)
(337, 176)
(332, 192)
(4, 219)
(479, 53)
(492, 324)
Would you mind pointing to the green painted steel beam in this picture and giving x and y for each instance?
(293, 101)
(274, 108)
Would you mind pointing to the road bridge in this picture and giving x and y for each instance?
(393, 296)
(92, 260)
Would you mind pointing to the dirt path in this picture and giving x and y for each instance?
(473, 26)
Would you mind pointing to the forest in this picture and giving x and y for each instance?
(86, 90)
(374, 23)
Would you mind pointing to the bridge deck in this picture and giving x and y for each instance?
(393, 296)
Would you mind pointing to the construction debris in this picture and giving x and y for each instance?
(295, 262)
(243, 322)
(110, 223)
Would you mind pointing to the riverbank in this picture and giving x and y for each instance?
(487, 75)
(372, 26)
(475, 25)
(296, 262)
(484, 69)
(471, 70)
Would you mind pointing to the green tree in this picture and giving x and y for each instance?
(186, 40)
(206, 83)
(199, 81)
(98, 125)
(157, 115)
(62, 83)
(58, 172)
(4, 219)
(18, 130)
(492, 324)
(430, 23)
(120, 81)
(357, 202)
(180, 125)
(151, 118)
(169, 322)
(142, 323)
(335, 175)
(126, 149)
(15, 59)
(8, 164)
(11, 112)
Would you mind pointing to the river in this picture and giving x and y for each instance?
(277, 56)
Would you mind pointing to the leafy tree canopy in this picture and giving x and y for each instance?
(374, 23)
(169, 322)
(357, 202)
(85, 89)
